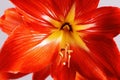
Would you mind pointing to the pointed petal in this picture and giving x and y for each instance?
(105, 20)
(56, 9)
(105, 54)
(85, 65)
(41, 75)
(10, 20)
(27, 50)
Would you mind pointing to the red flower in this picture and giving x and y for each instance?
(69, 40)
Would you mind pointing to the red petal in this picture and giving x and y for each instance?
(105, 20)
(79, 77)
(10, 20)
(36, 8)
(27, 50)
(15, 75)
(41, 75)
(85, 65)
(63, 73)
(83, 6)
(54, 8)
(105, 54)
(8, 75)
(3, 76)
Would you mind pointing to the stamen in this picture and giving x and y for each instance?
(69, 57)
(65, 54)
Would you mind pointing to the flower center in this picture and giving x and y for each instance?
(66, 26)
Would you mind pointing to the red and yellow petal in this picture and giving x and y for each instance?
(85, 65)
(104, 53)
(53, 8)
(25, 47)
(104, 21)
(10, 20)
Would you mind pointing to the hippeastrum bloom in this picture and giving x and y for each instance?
(69, 40)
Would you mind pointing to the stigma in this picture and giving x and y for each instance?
(65, 56)
(66, 26)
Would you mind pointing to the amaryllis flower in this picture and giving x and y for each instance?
(67, 39)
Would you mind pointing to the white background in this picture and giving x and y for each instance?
(4, 4)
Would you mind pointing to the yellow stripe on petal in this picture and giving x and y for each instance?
(56, 37)
(83, 27)
(54, 22)
(71, 15)
(79, 41)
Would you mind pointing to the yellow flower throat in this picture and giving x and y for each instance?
(66, 33)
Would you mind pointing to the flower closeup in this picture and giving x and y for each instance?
(69, 40)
